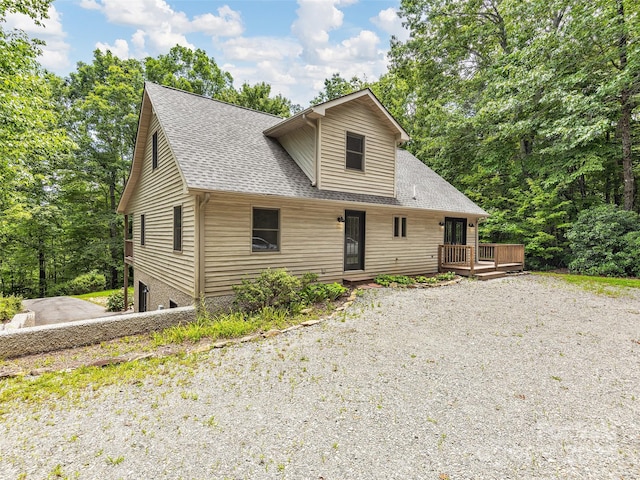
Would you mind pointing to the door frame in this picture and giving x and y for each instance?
(361, 215)
(143, 292)
(450, 225)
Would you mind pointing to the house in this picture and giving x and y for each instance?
(217, 193)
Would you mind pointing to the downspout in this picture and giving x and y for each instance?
(199, 241)
(316, 151)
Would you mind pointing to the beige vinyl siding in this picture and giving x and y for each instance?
(157, 192)
(311, 240)
(378, 177)
(417, 253)
(300, 144)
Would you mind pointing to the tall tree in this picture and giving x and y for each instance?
(337, 86)
(257, 97)
(32, 145)
(103, 101)
(189, 70)
(524, 100)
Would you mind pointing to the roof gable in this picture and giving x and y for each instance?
(222, 147)
(365, 96)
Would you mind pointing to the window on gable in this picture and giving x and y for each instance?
(355, 151)
(154, 151)
(265, 235)
(177, 228)
(399, 227)
(141, 229)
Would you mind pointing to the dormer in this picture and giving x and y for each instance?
(347, 144)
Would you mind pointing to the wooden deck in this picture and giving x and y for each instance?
(491, 261)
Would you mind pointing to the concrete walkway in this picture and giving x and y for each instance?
(64, 309)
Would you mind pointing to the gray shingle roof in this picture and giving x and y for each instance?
(221, 147)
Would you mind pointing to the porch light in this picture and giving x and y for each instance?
(340, 219)
(471, 225)
(441, 224)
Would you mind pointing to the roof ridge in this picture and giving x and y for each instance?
(217, 100)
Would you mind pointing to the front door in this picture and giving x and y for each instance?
(455, 231)
(353, 240)
(143, 290)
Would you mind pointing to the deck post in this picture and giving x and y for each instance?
(440, 247)
(496, 254)
(471, 261)
(126, 265)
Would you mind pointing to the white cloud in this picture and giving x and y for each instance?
(227, 24)
(360, 48)
(255, 49)
(120, 48)
(388, 21)
(55, 54)
(159, 27)
(315, 20)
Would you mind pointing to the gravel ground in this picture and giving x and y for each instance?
(522, 377)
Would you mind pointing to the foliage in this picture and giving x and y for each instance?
(524, 106)
(271, 288)
(88, 282)
(336, 86)
(115, 301)
(604, 240)
(9, 306)
(386, 280)
(319, 292)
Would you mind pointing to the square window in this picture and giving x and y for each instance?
(355, 151)
(154, 151)
(265, 235)
(177, 228)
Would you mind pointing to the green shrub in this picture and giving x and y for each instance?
(272, 288)
(9, 306)
(605, 241)
(319, 292)
(446, 276)
(87, 283)
(386, 280)
(115, 301)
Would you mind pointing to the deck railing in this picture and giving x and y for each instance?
(464, 255)
(501, 253)
(461, 255)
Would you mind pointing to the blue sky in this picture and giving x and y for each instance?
(292, 45)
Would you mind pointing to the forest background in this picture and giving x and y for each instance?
(529, 108)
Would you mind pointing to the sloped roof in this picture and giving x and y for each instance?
(221, 147)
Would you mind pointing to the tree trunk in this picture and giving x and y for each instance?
(624, 124)
(42, 283)
(113, 233)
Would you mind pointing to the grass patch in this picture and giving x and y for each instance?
(104, 293)
(232, 325)
(69, 385)
(610, 286)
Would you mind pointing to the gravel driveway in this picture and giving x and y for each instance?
(522, 377)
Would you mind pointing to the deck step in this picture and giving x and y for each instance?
(490, 275)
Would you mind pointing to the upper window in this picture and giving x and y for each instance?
(141, 229)
(355, 151)
(154, 150)
(399, 227)
(177, 228)
(265, 236)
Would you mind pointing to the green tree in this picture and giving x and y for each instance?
(188, 70)
(257, 97)
(32, 146)
(103, 102)
(337, 86)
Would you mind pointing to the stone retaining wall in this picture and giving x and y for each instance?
(47, 338)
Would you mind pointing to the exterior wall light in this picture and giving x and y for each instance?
(441, 224)
(471, 225)
(340, 219)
